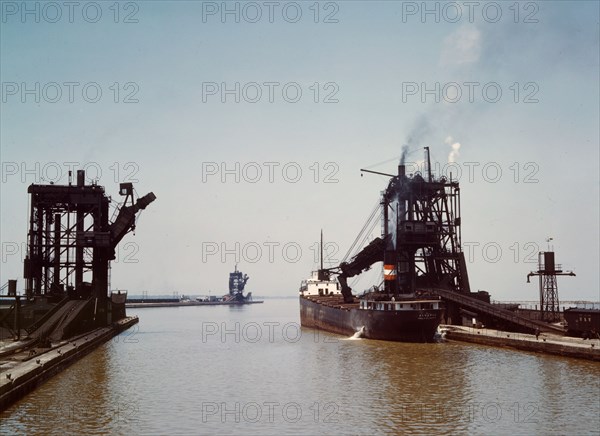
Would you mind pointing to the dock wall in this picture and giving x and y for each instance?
(549, 344)
(24, 377)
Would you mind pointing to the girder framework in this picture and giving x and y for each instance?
(421, 238)
(71, 241)
(547, 271)
(68, 240)
(422, 219)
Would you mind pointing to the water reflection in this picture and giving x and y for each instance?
(252, 370)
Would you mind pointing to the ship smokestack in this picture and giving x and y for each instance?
(401, 170)
(80, 178)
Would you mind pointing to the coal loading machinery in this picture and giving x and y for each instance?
(237, 283)
(70, 244)
(420, 243)
(420, 249)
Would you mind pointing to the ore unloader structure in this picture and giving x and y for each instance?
(71, 241)
(420, 248)
(70, 245)
(420, 245)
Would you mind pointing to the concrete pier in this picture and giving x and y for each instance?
(149, 303)
(545, 343)
(23, 368)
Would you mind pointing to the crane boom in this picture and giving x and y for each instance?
(125, 221)
(369, 255)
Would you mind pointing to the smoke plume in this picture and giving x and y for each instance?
(454, 153)
(404, 153)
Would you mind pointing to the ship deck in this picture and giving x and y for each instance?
(335, 301)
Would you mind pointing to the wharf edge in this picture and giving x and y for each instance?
(29, 374)
(546, 343)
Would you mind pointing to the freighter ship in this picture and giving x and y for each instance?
(420, 251)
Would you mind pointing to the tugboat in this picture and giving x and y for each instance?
(420, 252)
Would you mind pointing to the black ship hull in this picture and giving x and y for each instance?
(346, 319)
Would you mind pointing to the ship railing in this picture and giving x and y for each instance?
(399, 305)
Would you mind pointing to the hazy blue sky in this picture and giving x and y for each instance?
(161, 68)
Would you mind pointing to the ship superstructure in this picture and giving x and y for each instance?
(419, 250)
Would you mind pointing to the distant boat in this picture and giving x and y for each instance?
(237, 283)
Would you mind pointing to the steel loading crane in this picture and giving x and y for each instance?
(420, 243)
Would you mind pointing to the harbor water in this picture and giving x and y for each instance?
(254, 370)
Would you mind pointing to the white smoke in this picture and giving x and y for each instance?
(462, 47)
(455, 152)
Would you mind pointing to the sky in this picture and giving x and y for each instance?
(250, 121)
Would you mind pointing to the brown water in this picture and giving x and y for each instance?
(252, 370)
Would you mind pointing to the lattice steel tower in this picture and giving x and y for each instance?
(547, 272)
